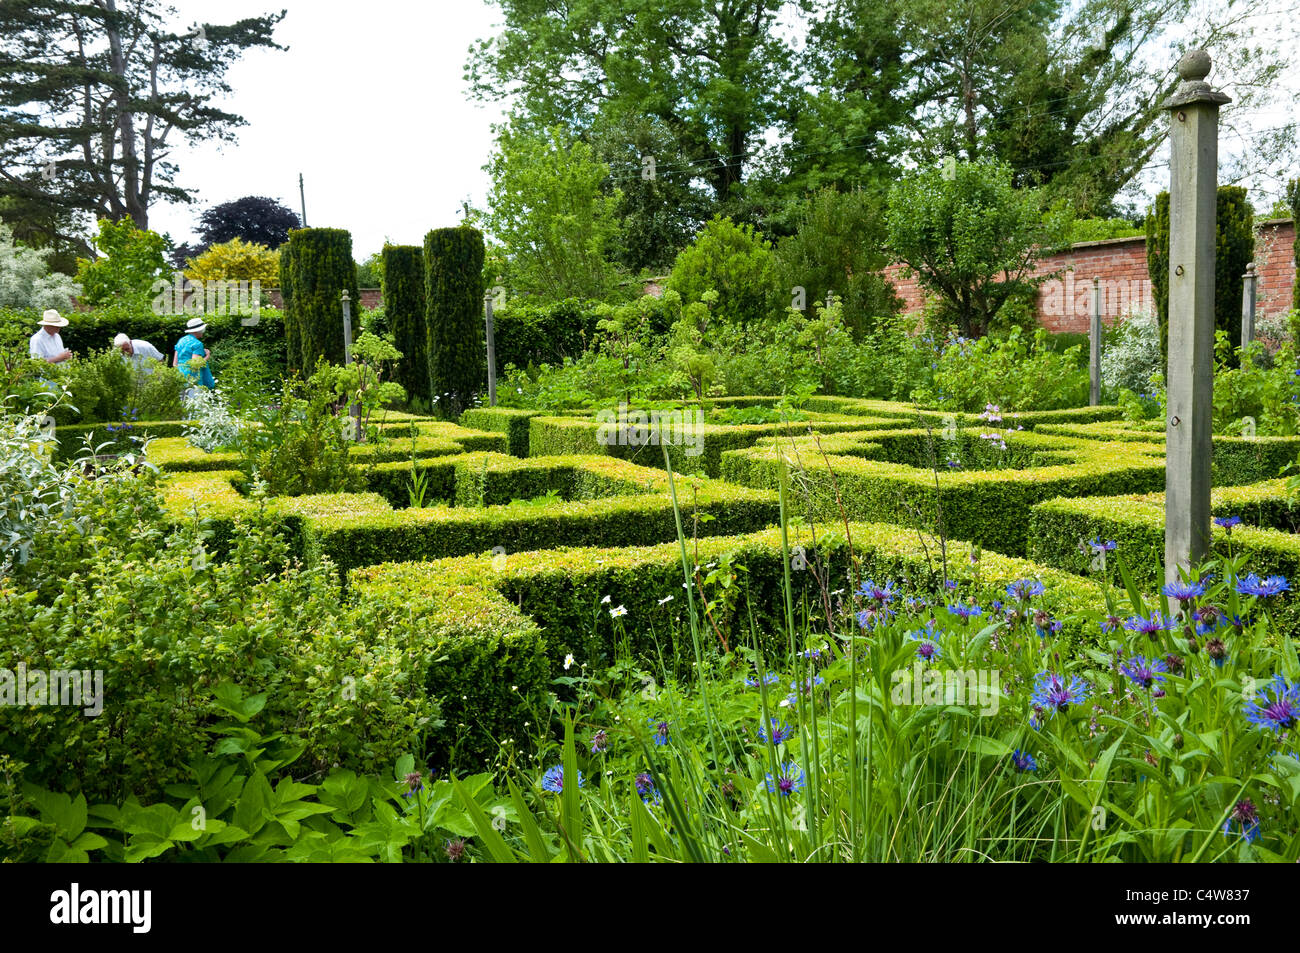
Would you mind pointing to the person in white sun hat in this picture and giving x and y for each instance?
(136, 352)
(190, 347)
(46, 344)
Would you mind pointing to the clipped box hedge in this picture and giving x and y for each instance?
(489, 620)
(875, 476)
(551, 436)
(511, 421)
(602, 501)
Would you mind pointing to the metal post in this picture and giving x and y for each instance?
(1094, 350)
(1193, 175)
(491, 352)
(1248, 306)
(302, 197)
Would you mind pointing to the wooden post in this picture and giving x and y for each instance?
(1193, 181)
(491, 351)
(1094, 350)
(355, 409)
(1248, 306)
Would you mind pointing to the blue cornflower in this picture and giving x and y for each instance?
(789, 779)
(966, 612)
(807, 689)
(929, 649)
(645, 787)
(1227, 522)
(1252, 585)
(1157, 623)
(779, 733)
(1184, 591)
(1098, 546)
(1111, 623)
(599, 742)
(661, 731)
(1143, 672)
(1024, 589)
(881, 594)
(870, 618)
(1052, 694)
(553, 779)
(1247, 818)
(771, 678)
(1280, 708)
(1024, 761)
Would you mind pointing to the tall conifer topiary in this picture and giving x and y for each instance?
(453, 291)
(403, 283)
(322, 269)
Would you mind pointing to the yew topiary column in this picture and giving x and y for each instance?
(453, 293)
(321, 270)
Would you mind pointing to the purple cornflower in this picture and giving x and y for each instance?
(1023, 761)
(771, 678)
(1143, 672)
(1184, 591)
(1151, 626)
(645, 787)
(1276, 707)
(599, 742)
(1024, 589)
(455, 849)
(1052, 694)
(1252, 585)
(1247, 819)
(553, 779)
(414, 783)
(661, 731)
(870, 618)
(964, 611)
(780, 733)
(789, 779)
(1111, 623)
(1227, 522)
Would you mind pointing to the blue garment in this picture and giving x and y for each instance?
(190, 347)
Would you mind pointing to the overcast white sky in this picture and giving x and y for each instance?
(368, 104)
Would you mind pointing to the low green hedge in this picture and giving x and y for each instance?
(510, 421)
(71, 437)
(887, 476)
(603, 501)
(488, 617)
(551, 436)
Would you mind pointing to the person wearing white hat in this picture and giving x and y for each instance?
(46, 344)
(190, 347)
(137, 352)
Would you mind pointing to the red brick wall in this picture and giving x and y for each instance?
(370, 297)
(1064, 301)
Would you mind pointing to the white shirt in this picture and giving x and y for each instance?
(46, 346)
(142, 351)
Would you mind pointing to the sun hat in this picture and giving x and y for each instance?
(54, 319)
(120, 340)
(195, 326)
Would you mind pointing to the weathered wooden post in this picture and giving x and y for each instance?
(491, 350)
(1094, 349)
(1248, 306)
(355, 409)
(1193, 175)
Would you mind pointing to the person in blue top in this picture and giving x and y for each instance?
(191, 346)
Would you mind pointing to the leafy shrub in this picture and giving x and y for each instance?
(133, 260)
(1130, 354)
(733, 260)
(236, 260)
(212, 425)
(1012, 373)
(26, 280)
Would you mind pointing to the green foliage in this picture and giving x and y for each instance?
(25, 278)
(839, 249)
(361, 385)
(453, 294)
(1234, 249)
(1012, 373)
(404, 307)
(236, 260)
(1256, 398)
(131, 261)
(292, 332)
(322, 269)
(972, 239)
(547, 208)
(528, 332)
(1100, 229)
(737, 263)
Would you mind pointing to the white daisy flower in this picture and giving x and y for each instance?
(568, 661)
(617, 611)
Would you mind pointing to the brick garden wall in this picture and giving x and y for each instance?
(1065, 301)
